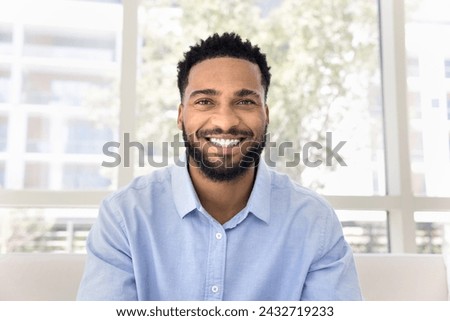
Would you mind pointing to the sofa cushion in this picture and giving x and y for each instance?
(48, 277)
(398, 277)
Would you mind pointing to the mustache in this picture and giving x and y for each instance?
(220, 131)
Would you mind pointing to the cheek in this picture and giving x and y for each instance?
(258, 124)
(188, 123)
(193, 121)
(191, 127)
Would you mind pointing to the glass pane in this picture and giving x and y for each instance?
(62, 88)
(3, 132)
(427, 30)
(86, 176)
(365, 231)
(38, 135)
(325, 83)
(45, 229)
(447, 68)
(432, 231)
(37, 175)
(5, 84)
(86, 137)
(2, 174)
(66, 43)
(5, 38)
(448, 104)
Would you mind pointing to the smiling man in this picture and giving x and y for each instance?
(223, 227)
(224, 119)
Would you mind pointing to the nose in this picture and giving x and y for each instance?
(225, 117)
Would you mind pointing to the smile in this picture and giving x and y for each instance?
(224, 142)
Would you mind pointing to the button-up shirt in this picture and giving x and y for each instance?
(153, 240)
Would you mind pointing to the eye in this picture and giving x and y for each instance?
(246, 102)
(203, 102)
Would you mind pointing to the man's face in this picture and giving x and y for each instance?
(223, 117)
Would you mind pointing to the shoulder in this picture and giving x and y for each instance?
(142, 187)
(307, 212)
(282, 184)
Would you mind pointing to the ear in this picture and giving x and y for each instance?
(180, 117)
(267, 114)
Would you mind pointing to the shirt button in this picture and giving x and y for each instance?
(215, 288)
(218, 236)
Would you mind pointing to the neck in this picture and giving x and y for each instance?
(222, 200)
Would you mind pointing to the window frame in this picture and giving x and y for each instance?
(400, 202)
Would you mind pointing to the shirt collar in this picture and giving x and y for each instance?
(259, 201)
(184, 194)
(186, 199)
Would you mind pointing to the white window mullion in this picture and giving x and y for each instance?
(398, 168)
(128, 83)
(17, 128)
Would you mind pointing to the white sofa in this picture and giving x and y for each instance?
(403, 277)
(382, 276)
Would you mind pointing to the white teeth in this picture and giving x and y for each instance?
(224, 142)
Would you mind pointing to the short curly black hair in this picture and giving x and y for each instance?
(225, 45)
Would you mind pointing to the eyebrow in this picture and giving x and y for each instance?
(212, 92)
(246, 92)
(208, 92)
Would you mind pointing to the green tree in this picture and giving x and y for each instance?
(319, 51)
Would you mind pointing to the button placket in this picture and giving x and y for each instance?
(216, 263)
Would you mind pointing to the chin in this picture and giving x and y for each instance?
(218, 170)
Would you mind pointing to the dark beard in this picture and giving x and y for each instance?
(222, 172)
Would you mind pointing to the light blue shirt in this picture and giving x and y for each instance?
(153, 240)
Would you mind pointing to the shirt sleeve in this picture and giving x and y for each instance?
(332, 276)
(108, 273)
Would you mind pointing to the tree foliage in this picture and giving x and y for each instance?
(322, 55)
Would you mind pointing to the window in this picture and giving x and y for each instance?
(60, 88)
(84, 176)
(447, 68)
(3, 132)
(430, 161)
(5, 38)
(432, 229)
(2, 174)
(53, 86)
(340, 96)
(413, 67)
(425, 21)
(38, 135)
(85, 138)
(435, 103)
(70, 43)
(68, 85)
(5, 84)
(416, 143)
(448, 106)
(45, 229)
(37, 175)
(59, 75)
(365, 231)
(414, 104)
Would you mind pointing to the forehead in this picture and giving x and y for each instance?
(224, 72)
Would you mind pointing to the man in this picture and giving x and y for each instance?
(223, 227)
